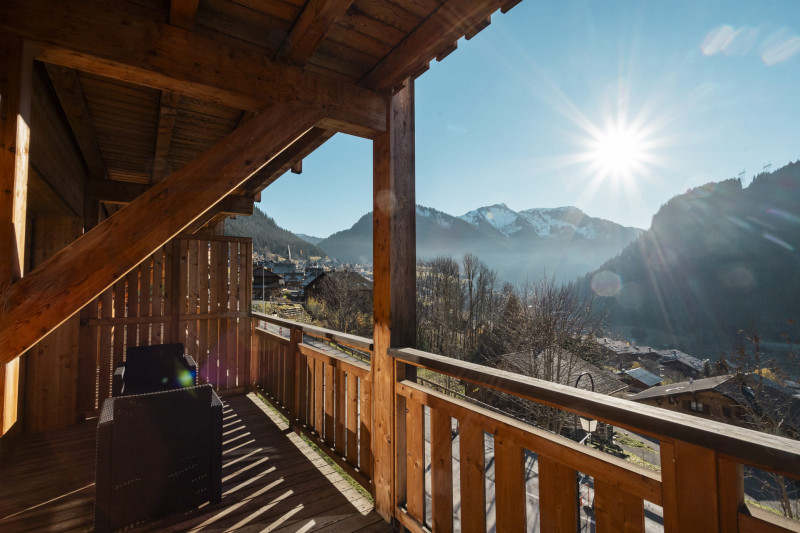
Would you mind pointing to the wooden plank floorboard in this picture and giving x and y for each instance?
(272, 481)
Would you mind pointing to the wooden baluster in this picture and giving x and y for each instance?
(352, 418)
(319, 397)
(689, 485)
(473, 477)
(415, 460)
(365, 430)
(329, 429)
(558, 496)
(616, 510)
(730, 480)
(441, 471)
(295, 366)
(341, 398)
(509, 485)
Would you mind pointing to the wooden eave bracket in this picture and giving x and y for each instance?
(434, 37)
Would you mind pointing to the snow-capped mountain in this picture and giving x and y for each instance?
(542, 222)
(563, 242)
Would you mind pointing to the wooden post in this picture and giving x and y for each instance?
(689, 485)
(394, 303)
(16, 71)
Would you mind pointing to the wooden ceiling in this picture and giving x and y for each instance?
(146, 86)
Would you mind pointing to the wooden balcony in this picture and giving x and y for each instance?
(271, 480)
(700, 486)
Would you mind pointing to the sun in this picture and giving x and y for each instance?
(618, 151)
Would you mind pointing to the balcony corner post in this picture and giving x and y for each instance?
(394, 305)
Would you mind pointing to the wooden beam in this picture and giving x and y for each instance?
(435, 36)
(58, 288)
(16, 78)
(69, 91)
(167, 114)
(311, 28)
(182, 13)
(114, 192)
(105, 39)
(283, 162)
(118, 192)
(394, 292)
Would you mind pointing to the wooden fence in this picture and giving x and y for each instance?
(459, 466)
(194, 290)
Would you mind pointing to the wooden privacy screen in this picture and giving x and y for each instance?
(194, 290)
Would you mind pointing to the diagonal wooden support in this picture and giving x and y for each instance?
(63, 284)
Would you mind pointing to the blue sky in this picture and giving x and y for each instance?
(611, 106)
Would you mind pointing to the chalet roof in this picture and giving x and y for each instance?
(565, 369)
(640, 374)
(684, 387)
(679, 357)
(760, 395)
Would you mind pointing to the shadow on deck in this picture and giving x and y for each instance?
(272, 481)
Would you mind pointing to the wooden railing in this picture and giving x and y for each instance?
(326, 396)
(491, 456)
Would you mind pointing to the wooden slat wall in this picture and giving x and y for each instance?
(52, 364)
(191, 290)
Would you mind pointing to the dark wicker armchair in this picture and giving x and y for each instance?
(154, 368)
(157, 453)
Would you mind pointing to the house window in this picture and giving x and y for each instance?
(698, 407)
(672, 400)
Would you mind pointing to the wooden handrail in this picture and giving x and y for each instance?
(742, 445)
(353, 341)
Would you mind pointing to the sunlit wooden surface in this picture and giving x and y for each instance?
(272, 481)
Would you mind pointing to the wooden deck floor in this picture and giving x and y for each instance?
(272, 481)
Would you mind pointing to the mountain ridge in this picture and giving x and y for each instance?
(518, 245)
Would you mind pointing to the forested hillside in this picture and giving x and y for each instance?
(268, 237)
(718, 261)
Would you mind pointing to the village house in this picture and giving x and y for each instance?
(743, 400)
(265, 281)
(639, 379)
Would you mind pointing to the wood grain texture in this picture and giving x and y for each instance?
(441, 30)
(685, 465)
(394, 304)
(311, 28)
(118, 43)
(619, 511)
(70, 94)
(415, 460)
(730, 480)
(509, 485)
(441, 471)
(182, 13)
(52, 364)
(70, 279)
(558, 495)
(473, 478)
(624, 475)
(167, 115)
(751, 447)
(16, 71)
